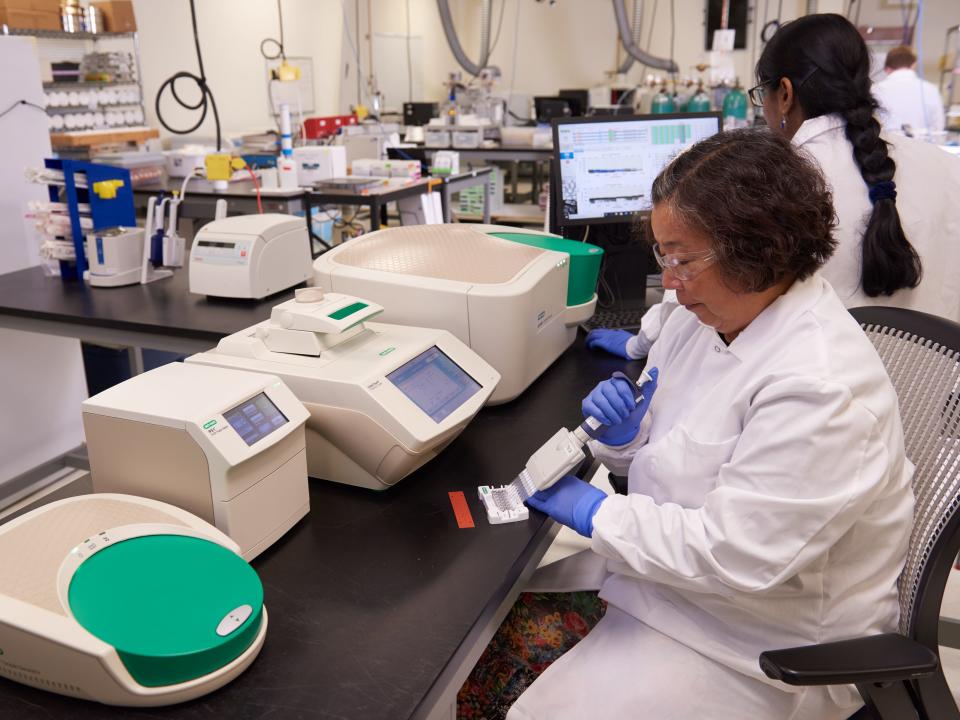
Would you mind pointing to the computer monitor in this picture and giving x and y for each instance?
(419, 113)
(548, 108)
(606, 166)
(579, 101)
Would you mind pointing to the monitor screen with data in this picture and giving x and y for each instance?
(606, 166)
(435, 383)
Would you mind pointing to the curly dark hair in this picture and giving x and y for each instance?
(765, 207)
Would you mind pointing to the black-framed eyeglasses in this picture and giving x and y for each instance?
(758, 92)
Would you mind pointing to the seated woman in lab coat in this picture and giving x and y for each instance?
(769, 498)
(897, 199)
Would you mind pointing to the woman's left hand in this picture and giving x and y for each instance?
(570, 501)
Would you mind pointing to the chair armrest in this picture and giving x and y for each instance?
(877, 658)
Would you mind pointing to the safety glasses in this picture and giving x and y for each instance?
(684, 266)
(758, 92)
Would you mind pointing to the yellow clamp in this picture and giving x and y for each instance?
(286, 72)
(107, 189)
(220, 166)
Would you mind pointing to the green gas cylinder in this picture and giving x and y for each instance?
(735, 108)
(662, 103)
(700, 102)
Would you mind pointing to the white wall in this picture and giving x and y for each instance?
(569, 44)
(390, 17)
(230, 35)
(573, 43)
(41, 377)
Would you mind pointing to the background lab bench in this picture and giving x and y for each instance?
(379, 605)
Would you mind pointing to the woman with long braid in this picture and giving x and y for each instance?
(898, 215)
(897, 200)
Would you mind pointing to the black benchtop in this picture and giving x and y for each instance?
(163, 307)
(370, 595)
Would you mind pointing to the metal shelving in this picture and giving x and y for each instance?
(64, 35)
(84, 85)
(95, 108)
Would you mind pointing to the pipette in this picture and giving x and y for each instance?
(555, 458)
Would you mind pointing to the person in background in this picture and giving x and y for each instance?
(908, 103)
(769, 501)
(897, 199)
(898, 218)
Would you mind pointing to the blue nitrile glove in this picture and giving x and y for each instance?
(613, 341)
(570, 501)
(611, 402)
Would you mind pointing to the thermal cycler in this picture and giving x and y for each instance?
(382, 399)
(515, 297)
(225, 445)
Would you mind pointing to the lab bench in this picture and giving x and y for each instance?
(379, 603)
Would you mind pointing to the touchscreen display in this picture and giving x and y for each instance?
(255, 418)
(435, 383)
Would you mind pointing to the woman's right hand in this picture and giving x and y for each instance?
(612, 403)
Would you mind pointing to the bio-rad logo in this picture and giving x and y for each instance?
(543, 317)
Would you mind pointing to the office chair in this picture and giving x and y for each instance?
(899, 674)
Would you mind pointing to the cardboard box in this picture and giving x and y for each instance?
(117, 15)
(30, 19)
(49, 6)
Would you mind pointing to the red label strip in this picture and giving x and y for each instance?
(461, 510)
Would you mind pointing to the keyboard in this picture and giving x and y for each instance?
(626, 318)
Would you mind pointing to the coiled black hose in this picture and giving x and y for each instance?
(206, 95)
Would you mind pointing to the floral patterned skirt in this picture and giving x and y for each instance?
(538, 629)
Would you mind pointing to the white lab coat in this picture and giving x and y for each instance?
(769, 506)
(908, 100)
(928, 202)
(650, 325)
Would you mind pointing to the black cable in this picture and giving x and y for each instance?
(206, 95)
(770, 28)
(527, 122)
(18, 103)
(281, 52)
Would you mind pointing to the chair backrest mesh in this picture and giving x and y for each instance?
(926, 377)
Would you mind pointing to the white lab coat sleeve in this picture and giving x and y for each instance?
(808, 462)
(651, 324)
(617, 458)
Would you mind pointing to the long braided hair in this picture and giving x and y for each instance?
(828, 64)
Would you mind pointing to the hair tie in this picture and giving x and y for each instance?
(885, 190)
